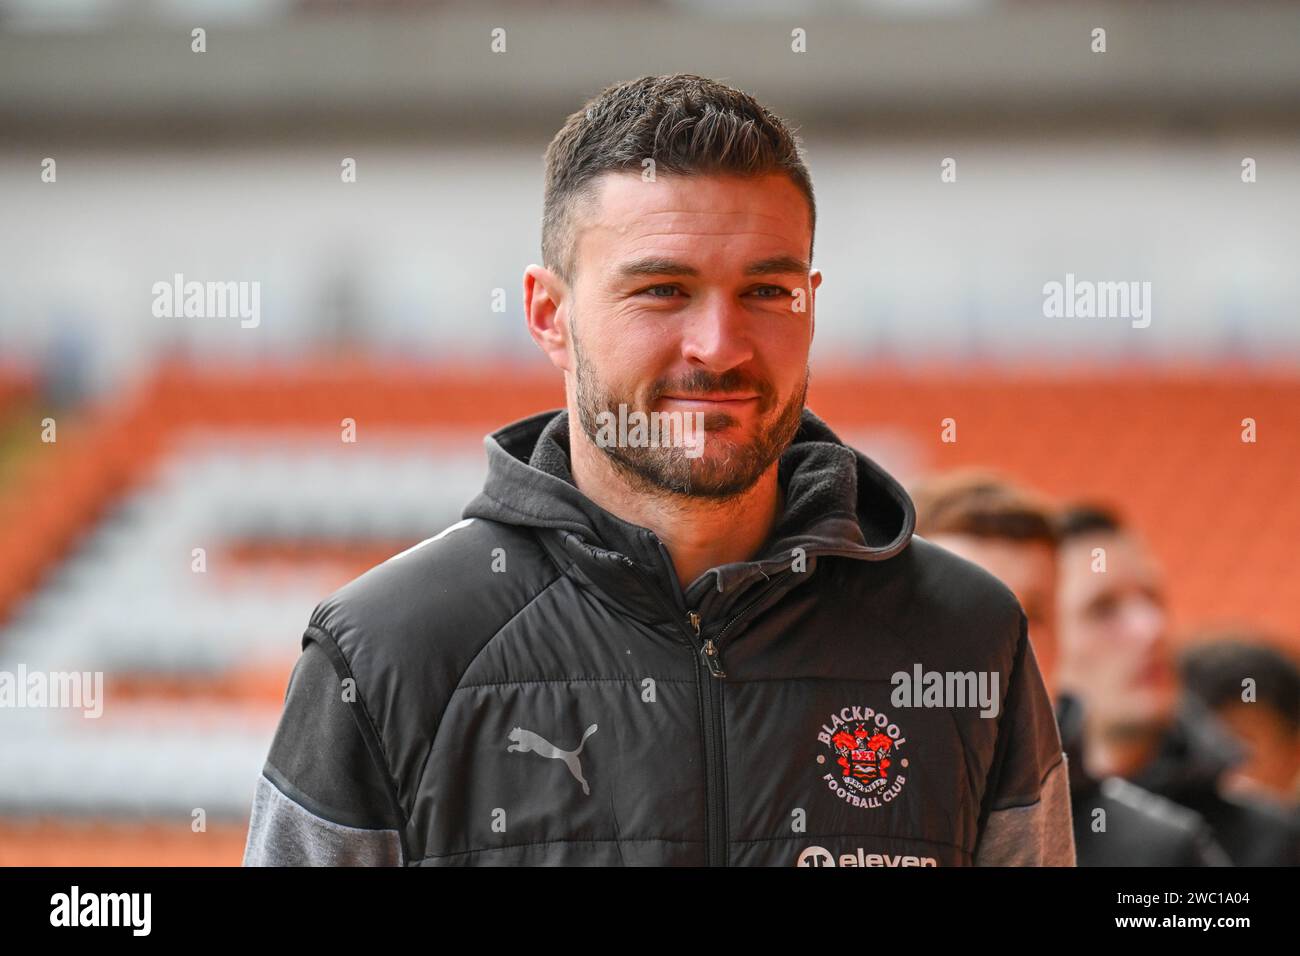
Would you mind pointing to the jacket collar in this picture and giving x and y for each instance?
(837, 502)
(1069, 721)
(1193, 753)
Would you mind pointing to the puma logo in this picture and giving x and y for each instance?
(526, 740)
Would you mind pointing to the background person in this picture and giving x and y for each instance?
(1213, 668)
(1011, 533)
(1115, 655)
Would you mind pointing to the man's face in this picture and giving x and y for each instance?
(1028, 568)
(693, 294)
(1114, 642)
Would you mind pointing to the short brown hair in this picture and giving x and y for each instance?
(1080, 518)
(985, 505)
(1215, 664)
(686, 123)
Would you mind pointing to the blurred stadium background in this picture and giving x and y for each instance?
(182, 433)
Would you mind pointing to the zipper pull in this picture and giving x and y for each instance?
(712, 653)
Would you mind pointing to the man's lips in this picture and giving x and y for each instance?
(711, 399)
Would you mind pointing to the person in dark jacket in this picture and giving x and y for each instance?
(1116, 658)
(683, 623)
(1253, 687)
(1013, 534)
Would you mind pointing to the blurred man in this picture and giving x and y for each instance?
(1116, 657)
(1254, 689)
(1011, 533)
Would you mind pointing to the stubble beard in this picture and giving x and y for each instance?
(726, 469)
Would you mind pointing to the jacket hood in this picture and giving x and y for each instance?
(837, 502)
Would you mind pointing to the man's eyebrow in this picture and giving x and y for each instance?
(655, 266)
(778, 265)
(663, 265)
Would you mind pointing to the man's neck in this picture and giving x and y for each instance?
(699, 533)
(1121, 751)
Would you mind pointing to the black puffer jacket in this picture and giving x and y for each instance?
(1194, 753)
(531, 686)
(1117, 823)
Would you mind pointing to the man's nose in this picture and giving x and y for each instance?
(1146, 622)
(716, 335)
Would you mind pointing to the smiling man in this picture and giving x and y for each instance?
(642, 653)
(656, 252)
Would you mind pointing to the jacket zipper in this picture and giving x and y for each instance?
(714, 646)
(710, 702)
(711, 707)
(714, 732)
(710, 653)
(709, 650)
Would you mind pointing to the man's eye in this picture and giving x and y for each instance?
(651, 291)
(775, 290)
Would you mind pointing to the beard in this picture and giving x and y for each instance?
(726, 469)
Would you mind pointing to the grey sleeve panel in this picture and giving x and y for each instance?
(1025, 817)
(1029, 742)
(284, 833)
(1040, 834)
(324, 796)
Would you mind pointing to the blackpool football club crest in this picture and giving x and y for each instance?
(860, 757)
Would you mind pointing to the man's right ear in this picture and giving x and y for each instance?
(546, 313)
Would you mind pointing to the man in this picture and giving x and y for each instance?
(1012, 534)
(674, 651)
(1254, 689)
(1116, 657)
